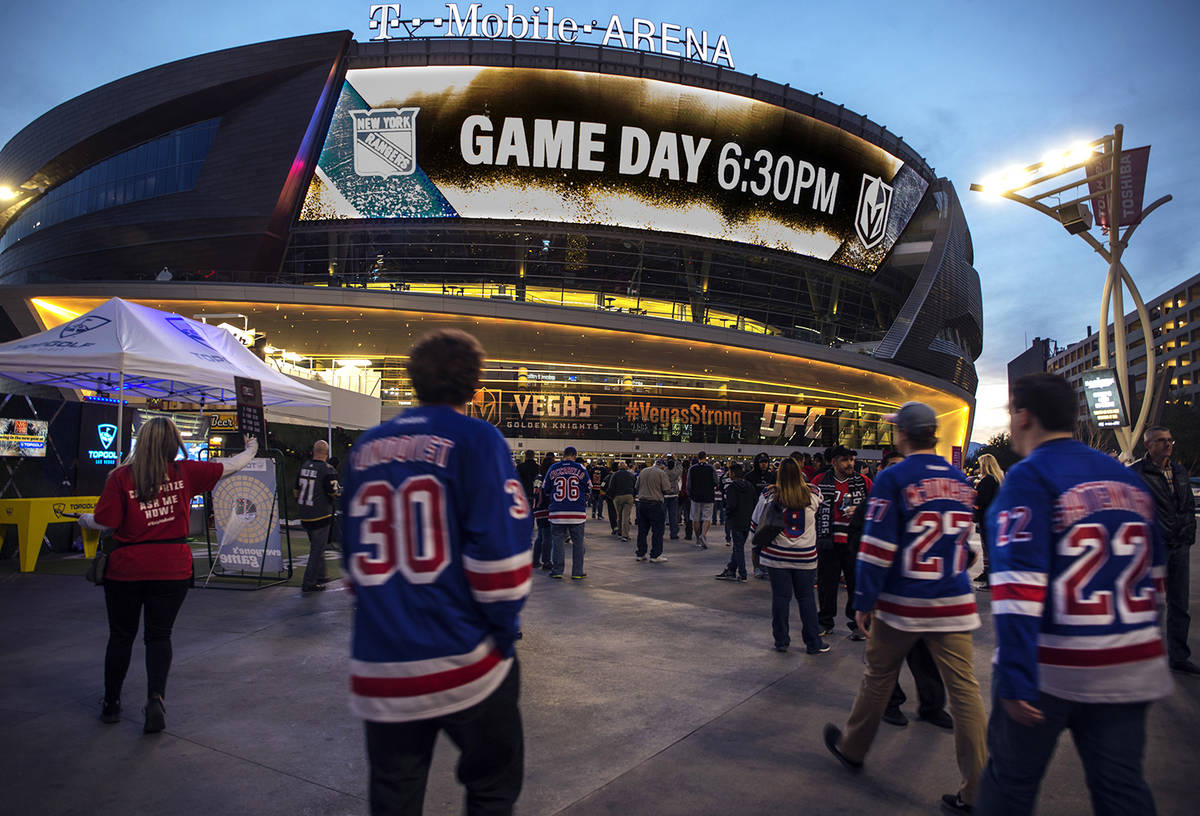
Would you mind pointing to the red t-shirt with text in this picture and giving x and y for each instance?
(161, 519)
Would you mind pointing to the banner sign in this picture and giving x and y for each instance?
(1104, 398)
(250, 417)
(1132, 187)
(575, 415)
(246, 512)
(530, 144)
(542, 24)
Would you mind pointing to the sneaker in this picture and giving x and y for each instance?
(156, 715)
(822, 649)
(579, 577)
(557, 575)
(741, 579)
(641, 558)
(625, 539)
(939, 718)
(313, 588)
(110, 711)
(858, 635)
(952, 803)
(726, 575)
(894, 716)
(759, 572)
(779, 648)
(833, 735)
(659, 559)
(825, 631)
(702, 545)
(1185, 667)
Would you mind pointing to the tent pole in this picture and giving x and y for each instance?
(120, 415)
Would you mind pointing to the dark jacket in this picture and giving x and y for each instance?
(985, 492)
(620, 483)
(740, 498)
(1176, 509)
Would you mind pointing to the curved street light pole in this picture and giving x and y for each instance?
(1118, 278)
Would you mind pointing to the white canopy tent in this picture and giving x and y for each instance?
(122, 348)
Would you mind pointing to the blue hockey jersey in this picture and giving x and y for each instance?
(912, 561)
(436, 542)
(567, 484)
(1077, 567)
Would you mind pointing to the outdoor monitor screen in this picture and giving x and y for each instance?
(577, 147)
(23, 437)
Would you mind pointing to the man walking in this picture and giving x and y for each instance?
(675, 473)
(316, 488)
(1077, 568)
(568, 486)
(652, 483)
(843, 488)
(912, 585)
(620, 489)
(437, 545)
(702, 493)
(1175, 509)
(740, 500)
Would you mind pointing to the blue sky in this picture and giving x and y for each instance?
(972, 86)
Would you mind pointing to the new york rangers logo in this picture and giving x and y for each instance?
(83, 324)
(874, 204)
(107, 434)
(385, 141)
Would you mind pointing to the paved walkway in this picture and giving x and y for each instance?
(647, 689)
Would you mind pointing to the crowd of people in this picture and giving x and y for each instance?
(442, 532)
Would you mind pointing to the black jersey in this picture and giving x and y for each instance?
(315, 488)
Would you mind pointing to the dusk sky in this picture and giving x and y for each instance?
(972, 86)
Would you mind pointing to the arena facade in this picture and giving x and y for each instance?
(657, 252)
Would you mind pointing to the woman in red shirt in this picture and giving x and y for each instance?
(146, 502)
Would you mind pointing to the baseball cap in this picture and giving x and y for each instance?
(914, 418)
(839, 451)
(569, 450)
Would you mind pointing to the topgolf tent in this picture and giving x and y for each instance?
(127, 349)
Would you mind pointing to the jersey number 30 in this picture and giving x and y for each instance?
(403, 528)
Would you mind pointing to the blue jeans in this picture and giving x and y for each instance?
(559, 535)
(541, 544)
(1110, 739)
(737, 558)
(650, 520)
(671, 508)
(784, 584)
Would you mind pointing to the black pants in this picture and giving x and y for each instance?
(612, 511)
(491, 766)
(931, 691)
(831, 566)
(1178, 619)
(125, 601)
(318, 538)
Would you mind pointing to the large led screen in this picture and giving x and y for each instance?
(550, 145)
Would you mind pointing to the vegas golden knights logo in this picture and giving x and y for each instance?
(874, 204)
(485, 405)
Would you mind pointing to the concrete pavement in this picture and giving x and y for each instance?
(647, 689)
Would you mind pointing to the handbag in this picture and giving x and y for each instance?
(96, 569)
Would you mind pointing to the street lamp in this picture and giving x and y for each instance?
(1100, 162)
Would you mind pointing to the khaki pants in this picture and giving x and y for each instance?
(952, 651)
(624, 507)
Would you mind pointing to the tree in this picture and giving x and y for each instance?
(999, 446)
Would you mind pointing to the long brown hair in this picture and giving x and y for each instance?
(159, 441)
(791, 489)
